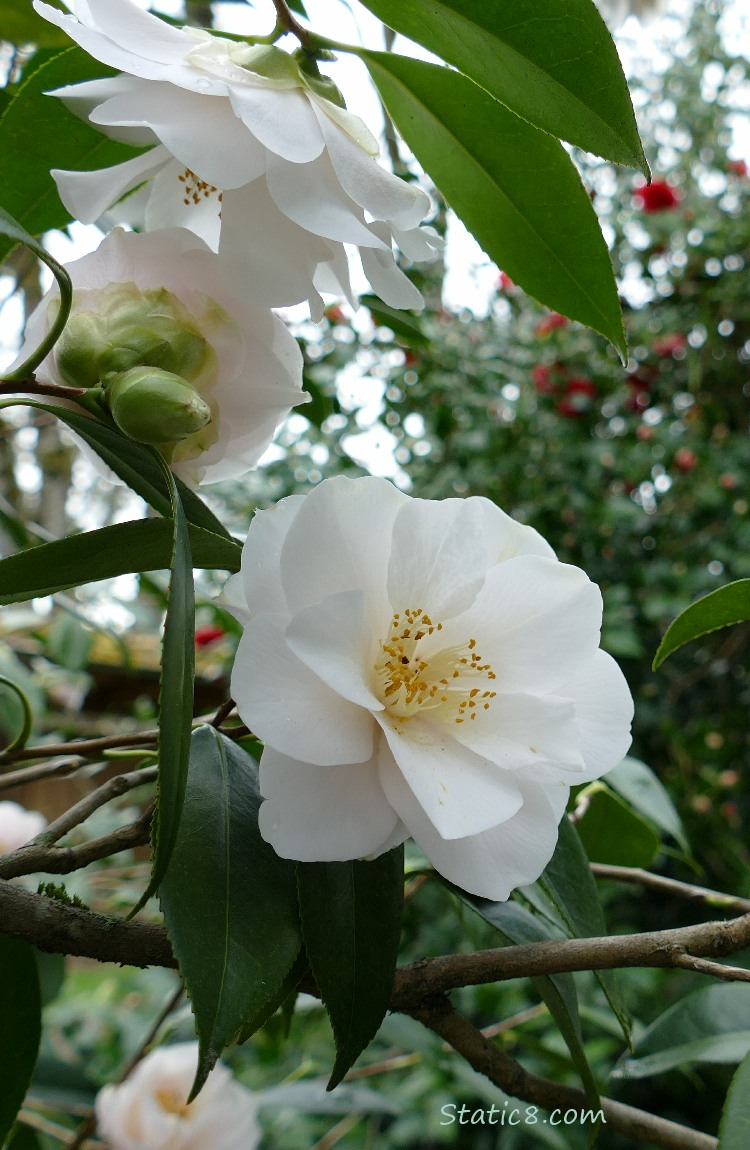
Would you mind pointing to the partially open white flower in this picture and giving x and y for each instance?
(251, 154)
(18, 826)
(149, 1111)
(424, 668)
(163, 300)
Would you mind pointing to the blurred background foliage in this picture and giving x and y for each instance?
(637, 473)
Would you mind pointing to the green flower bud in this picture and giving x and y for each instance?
(267, 61)
(79, 349)
(317, 82)
(155, 406)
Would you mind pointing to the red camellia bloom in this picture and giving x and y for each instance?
(670, 343)
(578, 397)
(207, 634)
(549, 323)
(541, 377)
(504, 282)
(658, 196)
(737, 168)
(685, 459)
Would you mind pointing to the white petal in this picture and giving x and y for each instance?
(522, 731)
(535, 621)
(311, 196)
(87, 195)
(460, 792)
(340, 541)
(200, 132)
(418, 244)
(333, 276)
(288, 707)
(281, 119)
(137, 30)
(323, 814)
(333, 638)
(348, 122)
(604, 712)
(438, 558)
(261, 576)
(232, 599)
(170, 206)
(271, 260)
(505, 537)
(388, 281)
(374, 188)
(108, 51)
(497, 861)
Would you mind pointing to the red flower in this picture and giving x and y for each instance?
(658, 196)
(504, 282)
(685, 459)
(579, 394)
(668, 344)
(335, 315)
(542, 379)
(208, 634)
(737, 168)
(549, 323)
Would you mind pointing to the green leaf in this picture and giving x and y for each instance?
(229, 901)
(640, 787)
(175, 696)
(400, 322)
(134, 464)
(712, 1025)
(517, 925)
(141, 545)
(21, 25)
(12, 230)
(566, 894)
(58, 140)
(734, 1129)
(24, 1138)
(721, 608)
(27, 721)
(351, 926)
(611, 832)
(284, 997)
(551, 62)
(514, 187)
(20, 1027)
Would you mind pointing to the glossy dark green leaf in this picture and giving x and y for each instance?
(734, 1129)
(712, 1025)
(641, 788)
(20, 1027)
(403, 325)
(515, 188)
(720, 608)
(284, 999)
(141, 545)
(516, 925)
(612, 832)
(21, 25)
(24, 1138)
(552, 62)
(14, 233)
(351, 926)
(133, 464)
(175, 696)
(567, 894)
(229, 901)
(58, 140)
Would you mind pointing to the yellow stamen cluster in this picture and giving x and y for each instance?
(196, 189)
(172, 1100)
(410, 683)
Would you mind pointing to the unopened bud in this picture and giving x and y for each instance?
(155, 406)
(80, 348)
(317, 82)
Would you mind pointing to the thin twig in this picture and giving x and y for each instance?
(63, 860)
(81, 748)
(672, 886)
(32, 386)
(223, 713)
(439, 1016)
(287, 20)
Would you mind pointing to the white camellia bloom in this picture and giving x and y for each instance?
(18, 826)
(250, 153)
(425, 668)
(163, 299)
(149, 1110)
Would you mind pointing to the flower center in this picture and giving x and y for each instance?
(195, 189)
(171, 1100)
(452, 680)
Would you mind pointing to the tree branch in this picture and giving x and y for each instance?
(287, 20)
(671, 886)
(439, 1016)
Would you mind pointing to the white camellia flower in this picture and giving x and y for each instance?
(425, 668)
(163, 299)
(149, 1110)
(250, 153)
(18, 826)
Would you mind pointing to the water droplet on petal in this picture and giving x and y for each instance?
(204, 84)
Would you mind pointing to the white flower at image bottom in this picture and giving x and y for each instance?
(149, 1110)
(425, 668)
(250, 151)
(18, 826)
(165, 295)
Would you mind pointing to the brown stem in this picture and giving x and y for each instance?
(89, 748)
(287, 19)
(32, 386)
(672, 886)
(439, 1016)
(63, 860)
